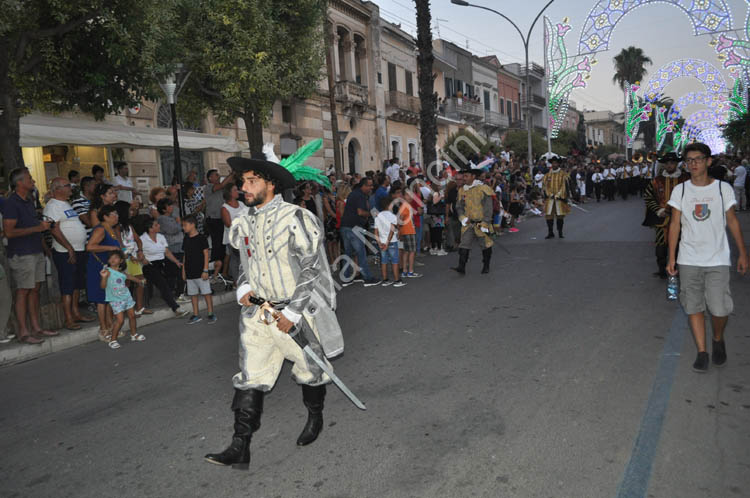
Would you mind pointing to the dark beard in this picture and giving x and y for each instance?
(258, 199)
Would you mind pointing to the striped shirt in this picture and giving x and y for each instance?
(82, 206)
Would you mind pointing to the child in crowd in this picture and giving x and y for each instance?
(386, 233)
(407, 233)
(195, 268)
(119, 298)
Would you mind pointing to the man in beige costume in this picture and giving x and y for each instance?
(284, 263)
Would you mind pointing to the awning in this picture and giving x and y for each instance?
(39, 131)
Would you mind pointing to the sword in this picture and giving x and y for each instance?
(578, 207)
(302, 342)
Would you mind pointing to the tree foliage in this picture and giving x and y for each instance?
(737, 132)
(246, 54)
(93, 55)
(630, 66)
(517, 140)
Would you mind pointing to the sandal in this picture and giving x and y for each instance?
(29, 339)
(72, 326)
(138, 338)
(113, 345)
(104, 335)
(85, 319)
(47, 333)
(143, 311)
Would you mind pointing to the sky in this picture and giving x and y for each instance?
(663, 32)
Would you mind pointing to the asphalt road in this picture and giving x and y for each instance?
(533, 381)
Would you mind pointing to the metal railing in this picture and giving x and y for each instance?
(494, 118)
(351, 91)
(537, 100)
(462, 109)
(402, 101)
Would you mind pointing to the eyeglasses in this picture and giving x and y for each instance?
(694, 160)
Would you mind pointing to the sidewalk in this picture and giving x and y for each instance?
(15, 352)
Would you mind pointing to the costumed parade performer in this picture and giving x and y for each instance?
(287, 291)
(656, 196)
(556, 207)
(474, 208)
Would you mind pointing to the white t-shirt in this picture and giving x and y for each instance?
(704, 236)
(740, 175)
(393, 171)
(70, 225)
(383, 222)
(154, 251)
(124, 195)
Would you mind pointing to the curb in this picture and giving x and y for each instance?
(15, 352)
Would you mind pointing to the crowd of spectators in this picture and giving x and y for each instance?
(386, 220)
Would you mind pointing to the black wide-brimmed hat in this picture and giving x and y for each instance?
(258, 163)
(669, 156)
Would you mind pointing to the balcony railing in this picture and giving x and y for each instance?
(536, 100)
(493, 118)
(348, 91)
(456, 108)
(402, 101)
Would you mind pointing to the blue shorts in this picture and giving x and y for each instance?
(390, 255)
(70, 276)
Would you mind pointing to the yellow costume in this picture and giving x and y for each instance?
(474, 208)
(555, 187)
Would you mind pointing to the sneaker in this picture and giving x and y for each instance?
(718, 353)
(413, 274)
(441, 252)
(194, 319)
(418, 263)
(211, 318)
(386, 283)
(371, 281)
(701, 363)
(433, 252)
(513, 230)
(179, 313)
(183, 299)
(399, 283)
(403, 274)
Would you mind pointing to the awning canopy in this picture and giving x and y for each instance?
(39, 131)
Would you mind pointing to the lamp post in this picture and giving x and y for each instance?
(171, 85)
(342, 139)
(525, 40)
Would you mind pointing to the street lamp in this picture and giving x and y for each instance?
(171, 84)
(342, 139)
(525, 40)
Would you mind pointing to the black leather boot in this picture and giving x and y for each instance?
(560, 223)
(463, 257)
(248, 407)
(550, 229)
(313, 397)
(486, 256)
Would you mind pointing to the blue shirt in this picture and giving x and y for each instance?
(380, 194)
(22, 210)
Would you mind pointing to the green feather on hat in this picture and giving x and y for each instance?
(295, 163)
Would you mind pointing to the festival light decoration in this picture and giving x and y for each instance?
(636, 112)
(737, 105)
(706, 16)
(704, 115)
(711, 78)
(664, 126)
(679, 139)
(563, 74)
(715, 101)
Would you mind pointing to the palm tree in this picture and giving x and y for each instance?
(629, 66)
(427, 95)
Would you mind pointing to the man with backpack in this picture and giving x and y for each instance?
(702, 209)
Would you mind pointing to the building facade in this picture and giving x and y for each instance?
(603, 128)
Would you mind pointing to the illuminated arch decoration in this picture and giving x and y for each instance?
(715, 101)
(563, 74)
(707, 17)
(704, 115)
(737, 105)
(679, 139)
(703, 71)
(637, 112)
(714, 138)
(693, 131)
(664, 126)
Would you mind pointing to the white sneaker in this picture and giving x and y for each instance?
(179, 312)
(183, 299)
(441, 252)
(433, 252)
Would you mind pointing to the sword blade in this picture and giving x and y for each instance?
(334, 378)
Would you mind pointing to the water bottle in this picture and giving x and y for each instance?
(673, 287)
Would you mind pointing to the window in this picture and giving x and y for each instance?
(449, 89)
(459, 86)
(469, 90)
(380, 78)
(396, 149)
(409, 83)
(286, 113)
(515, 110)
(487, 102)
(392, 84)
(502, 106)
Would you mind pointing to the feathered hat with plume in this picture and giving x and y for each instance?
(295, 163)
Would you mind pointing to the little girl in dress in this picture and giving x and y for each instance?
(119, 298)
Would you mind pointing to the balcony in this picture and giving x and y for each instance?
(495, 119)
(517, 125)
(456, 108)
(352, 93)
(535, 71)
(402, 107)
(537, 101)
